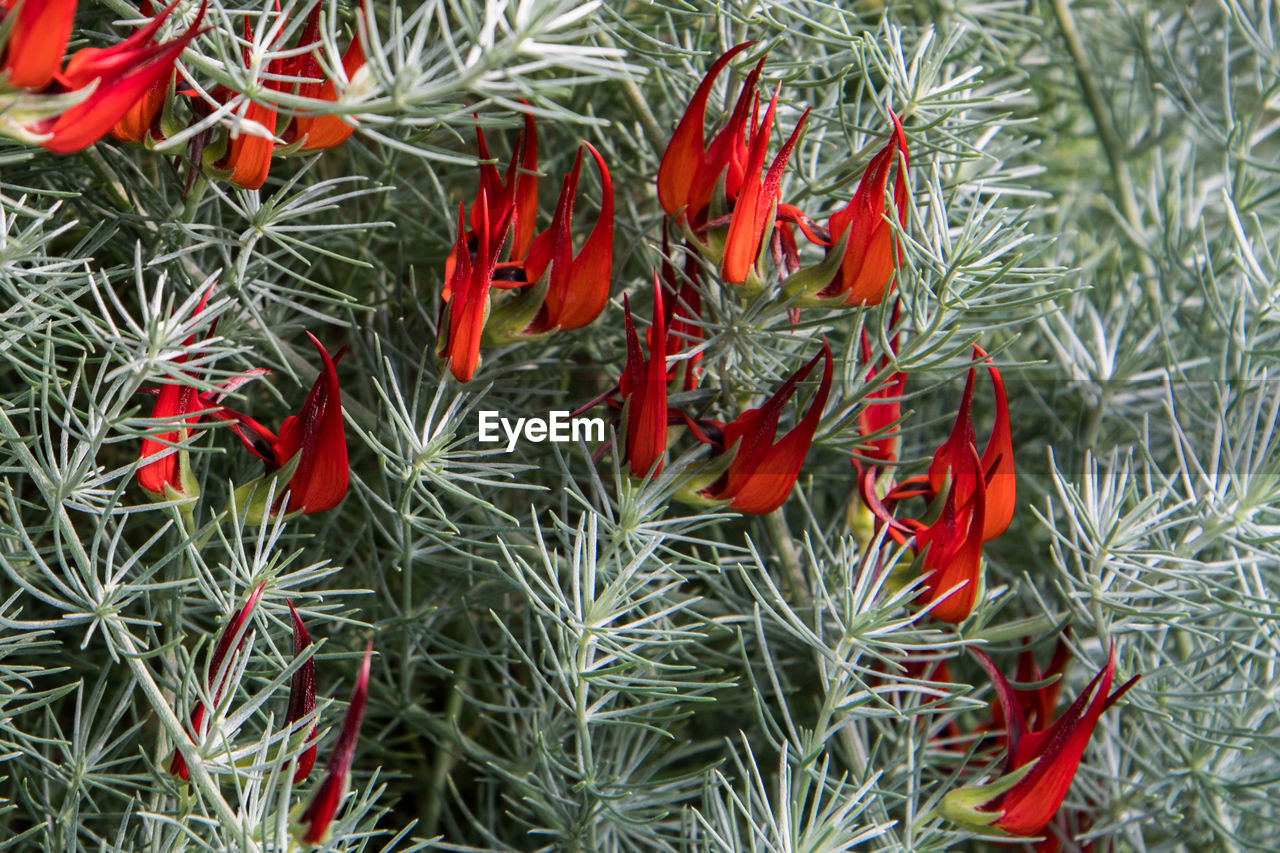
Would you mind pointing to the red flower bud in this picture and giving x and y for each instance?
(302, 695)
(328, 797)
(216, 676)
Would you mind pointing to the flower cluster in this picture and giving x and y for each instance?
(130, 90)
(970, 497)
(243, 156)
(309, 453)
(731, 211)
(549, 287)
(67, 107)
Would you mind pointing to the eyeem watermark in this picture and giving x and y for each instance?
(556, 426)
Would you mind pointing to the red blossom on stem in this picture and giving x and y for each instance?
(763, 471)
(314, 441)
(690, 169)
(322, 131)
(1039, 764)
(867, 266)
(757, 201)
(643, 389)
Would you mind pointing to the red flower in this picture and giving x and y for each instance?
(324, 131)
(37, 40)
(867, 267)
(120, 76)
(952, 460)
(302, 695)
(216, 676)
(466, 292)
(763, 472)
(553, 289)
(170, 475)
(643, 388)
(328, 797)
(757, 201)
(313, 441)
(248, 156)
(1039, 765)
(690, 168)
(953, 548)
(578, 285)
(997, 457)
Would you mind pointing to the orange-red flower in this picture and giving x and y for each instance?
(643, 388)
(953, 546)
(690, 169)
(115, 78)
(312, 441)
(466, 292)
(551, 287)
(248, 156)
(38, 39)
(1039, 765)
(763, 471)
(870, 255)
(756, 205)
(323, 131)
(997, 457)
(577, 284)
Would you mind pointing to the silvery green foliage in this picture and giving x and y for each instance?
(568, 659)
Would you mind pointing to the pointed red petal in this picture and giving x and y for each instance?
(742, 244)
(953, 561)
(646, 408)
(592, 269)
(320, 480)
(329, 131)
(997, 462)
(561, 251)
(683, 158)
(525, 222)
(769, 485)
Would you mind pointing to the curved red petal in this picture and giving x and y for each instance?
(683, 158)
